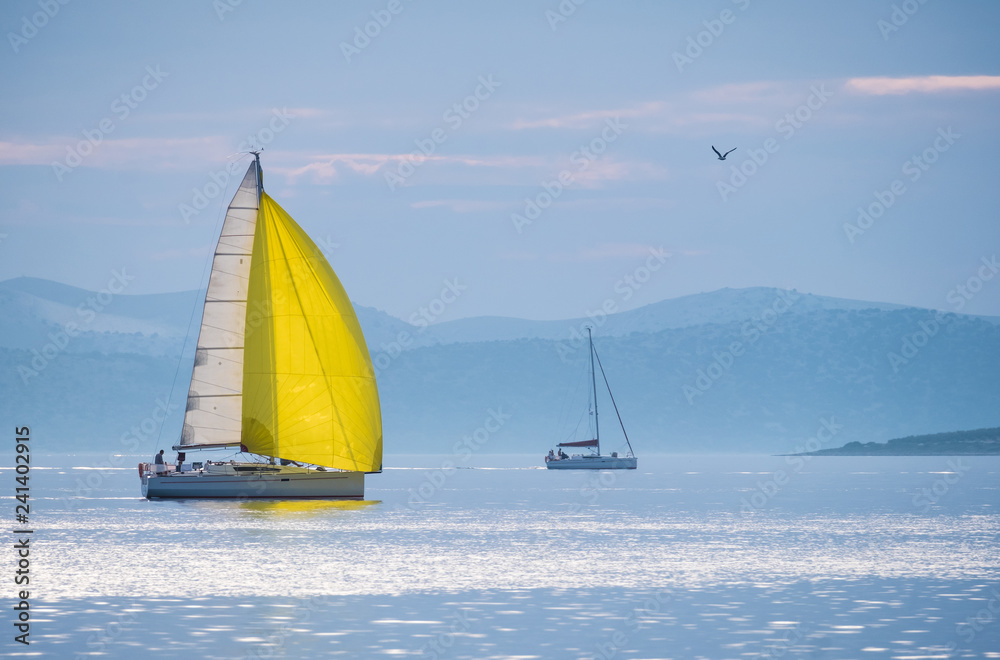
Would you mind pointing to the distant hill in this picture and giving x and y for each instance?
(32, 308)
(716, 307)
(980, 442)
(59, 303)
(800, 362)
(676, 392)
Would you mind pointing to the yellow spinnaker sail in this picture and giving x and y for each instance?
(309, 391)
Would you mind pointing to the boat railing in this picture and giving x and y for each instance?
(150, 469)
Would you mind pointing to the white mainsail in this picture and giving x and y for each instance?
(214, 404)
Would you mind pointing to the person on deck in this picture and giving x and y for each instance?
(158, 465)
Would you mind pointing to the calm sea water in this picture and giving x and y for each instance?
(687, 557)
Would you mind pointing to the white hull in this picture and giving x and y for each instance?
(592, 463)
(251, 481)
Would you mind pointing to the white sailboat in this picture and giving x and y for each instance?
(281, 372)
(593, 460)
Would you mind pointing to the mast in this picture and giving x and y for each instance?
(593, 382)
(260, 176)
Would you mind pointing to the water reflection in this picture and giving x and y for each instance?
(313, 507)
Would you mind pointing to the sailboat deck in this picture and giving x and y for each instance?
(252, 480)
(592, 463)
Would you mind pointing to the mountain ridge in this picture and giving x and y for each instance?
(171, 314)
(763, 379)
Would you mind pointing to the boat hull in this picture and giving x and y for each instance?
(593, 463)
(265, 482)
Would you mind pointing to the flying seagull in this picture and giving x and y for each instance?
(723, 156)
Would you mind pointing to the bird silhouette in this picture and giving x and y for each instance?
(723, 156)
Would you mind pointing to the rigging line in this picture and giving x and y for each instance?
(572, 435)
(219, 224)
(613, 402)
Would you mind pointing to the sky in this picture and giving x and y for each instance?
(526, 159)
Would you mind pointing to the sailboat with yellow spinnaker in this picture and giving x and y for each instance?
(281, 370)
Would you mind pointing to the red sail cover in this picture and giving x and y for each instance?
(581, 443)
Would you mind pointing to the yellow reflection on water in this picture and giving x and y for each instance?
(304, 506)
(272, 508)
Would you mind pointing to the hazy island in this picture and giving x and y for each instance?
(978, 442)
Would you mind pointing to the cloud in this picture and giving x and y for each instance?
(760, 92)
(922, 84)
(745, 106)
(593, 118)
(607, 169)
(741, 107)
(201, 153)
(465, 205)
(14, 153)
(615, 203)
(461, 168)
(327, 168)
(132, 153)
(605, 252)
(228, 117)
